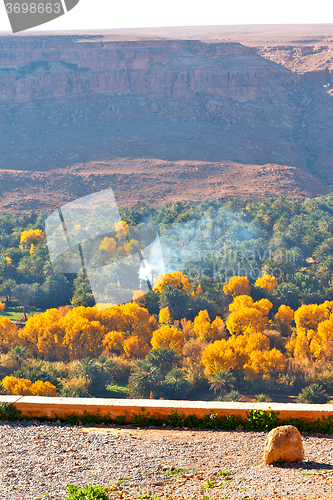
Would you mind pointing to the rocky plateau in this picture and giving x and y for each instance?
(164, 115)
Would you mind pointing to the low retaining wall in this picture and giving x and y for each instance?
(35, 406)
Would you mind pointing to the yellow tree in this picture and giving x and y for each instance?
(176, 279)
(299, 345)
(112, 319)
(109, 246)
(308, 316)
(31, 237)
(114, 341)
(8, 335)
(262, 364)
(188, 328)
(121, 229)
(225, 354)
(137, 321)
(164, 316)
(135, 348)
(43, 336)
(246, 320)
(241, 301)
(284, 318)
(321, 340)
(82, 337)
(237, 285)
(167, 336)
(267, 282)
(17, 386)
(207, 331)
(40, 388)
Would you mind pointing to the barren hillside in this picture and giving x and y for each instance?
(160, 115)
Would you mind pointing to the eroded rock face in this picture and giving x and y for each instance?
(283, 443)
(38, 68)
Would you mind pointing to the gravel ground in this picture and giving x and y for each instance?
(39, 460)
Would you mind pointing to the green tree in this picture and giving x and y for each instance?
(19, 354)
(83, 295)
(143, 379)
(7, 288)
(25, 295)
(164, 359)
(221, 381)
(175, 385)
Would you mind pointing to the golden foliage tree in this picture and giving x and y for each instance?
(285, 315)
(114, 341)
(8, 335)
(135, 348)
(82, 337)
(176, 279)
(308, 316)
(207, 331)
(43, 336)
(237, 285)
(17, 386)
(40, 388)
(31, 237)
(164, 316)
(24, 387)
(267, 282)
(224, 354)
(167, 336)
(246, 320)
(262, 364)
(247, 316)
(109, 246)
(188, 328)
(121, 229)
(243, 351)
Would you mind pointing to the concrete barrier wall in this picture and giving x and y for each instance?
(35, 406)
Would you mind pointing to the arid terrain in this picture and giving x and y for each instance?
(152, 463)
(164, 115)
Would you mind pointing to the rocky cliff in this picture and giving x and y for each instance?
(39, 68)
(69, 100)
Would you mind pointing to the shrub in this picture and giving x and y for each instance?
(233, 396)
(89, 493)
(313, 394)
(76, 387)
(262, 398)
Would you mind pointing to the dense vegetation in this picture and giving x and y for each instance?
(248, 309)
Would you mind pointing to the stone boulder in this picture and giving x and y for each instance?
(283, 443)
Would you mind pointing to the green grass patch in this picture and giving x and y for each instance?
(117, 391)
(179, 471)
(13, 313)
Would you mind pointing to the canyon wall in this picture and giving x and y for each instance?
(79, 101)
(44, 67)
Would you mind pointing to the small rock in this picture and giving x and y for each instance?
(283, 443)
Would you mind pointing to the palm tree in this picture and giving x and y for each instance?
(108, 367)
(176, 384)
(221, 381)
(163, 358)
(7, 288)
(143, 379)
(19, 354)
(87, 367)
